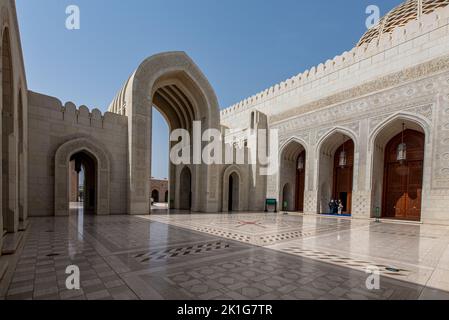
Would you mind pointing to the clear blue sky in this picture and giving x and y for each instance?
(242, 46)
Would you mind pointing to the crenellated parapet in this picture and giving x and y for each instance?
(412, 36)
(51, 107)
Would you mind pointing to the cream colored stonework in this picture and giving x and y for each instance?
(364, 94)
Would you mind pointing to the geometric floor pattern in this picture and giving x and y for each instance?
(182, 251)
(227, 256)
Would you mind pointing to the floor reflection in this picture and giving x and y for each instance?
(229, 256)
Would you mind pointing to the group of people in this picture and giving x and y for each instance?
(336, 206)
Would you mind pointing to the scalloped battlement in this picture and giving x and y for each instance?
(47, 106)
(351, 60)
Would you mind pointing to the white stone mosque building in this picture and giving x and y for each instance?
(369, 127)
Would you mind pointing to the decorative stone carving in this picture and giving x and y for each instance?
(62, 158)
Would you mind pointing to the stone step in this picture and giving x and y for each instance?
(11, 242)
(3, 267)
(23, 225)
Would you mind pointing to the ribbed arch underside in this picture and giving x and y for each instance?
(175, 106)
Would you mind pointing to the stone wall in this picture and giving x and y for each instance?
(50, 126)
(364, 94)
(13, 125)
(161, 186)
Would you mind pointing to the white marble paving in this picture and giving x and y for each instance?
(421, 251)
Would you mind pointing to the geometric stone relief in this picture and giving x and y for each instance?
(354, 127)
(304, 136)
(361, 204)
(320, 133)
(420, 95)
(425, 110)
(310, 202)
(389, 81)
(440, 172)
(376, 121)
(62, 175)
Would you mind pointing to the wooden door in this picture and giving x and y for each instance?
(403, 181)
(343, 176)
(414, 190)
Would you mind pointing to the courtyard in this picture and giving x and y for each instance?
(256, 256)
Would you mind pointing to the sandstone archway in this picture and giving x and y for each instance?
(234, 189)
(173, 84)
(62, 171)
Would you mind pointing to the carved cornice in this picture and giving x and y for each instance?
(389, 81)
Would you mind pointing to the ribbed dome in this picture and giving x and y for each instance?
(399, 16)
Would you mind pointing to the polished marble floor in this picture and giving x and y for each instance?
(228, 256)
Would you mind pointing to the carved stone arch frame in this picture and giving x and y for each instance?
(301, 141)
(282, 148)
(346, 131)
(178, 185)
(139, 100)
(355, 138)
(421, 122)
(242, 187)
(103, 172)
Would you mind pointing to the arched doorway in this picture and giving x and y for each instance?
(173, 84)
(10, 219)
(396, 185)
(336, 170)
(403, 176)
(96, 162)
(233, 192)
(343, 175)
(185, 192)
(83, 181)
(293, 172)
(155, 195)
(166, 196)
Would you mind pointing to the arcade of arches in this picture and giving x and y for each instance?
(368, 129)
(400, 181)
(159, 190)
(379, 145)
